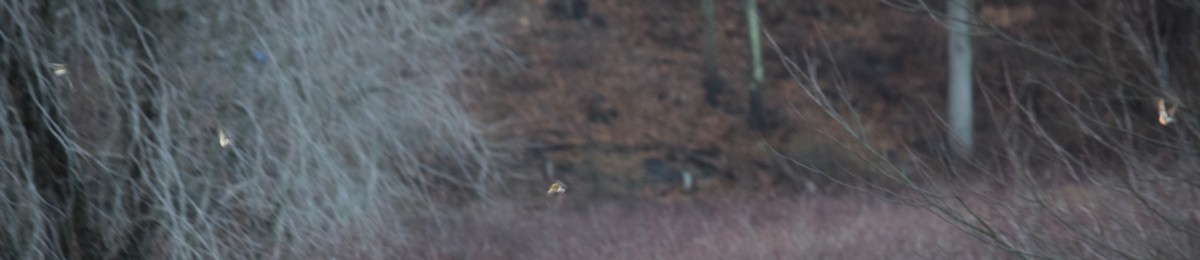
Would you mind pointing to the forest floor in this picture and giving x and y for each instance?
(596, 101)
(612, 104)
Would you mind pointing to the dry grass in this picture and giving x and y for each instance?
(798, 228)
(1081, 221)
(340, 126)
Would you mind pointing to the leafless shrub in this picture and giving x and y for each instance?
(1086, 168)
(333, 117)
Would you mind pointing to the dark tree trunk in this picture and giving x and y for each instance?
(35, 106)
(37, 98)
(714, 86)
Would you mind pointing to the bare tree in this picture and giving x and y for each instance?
(231, 129)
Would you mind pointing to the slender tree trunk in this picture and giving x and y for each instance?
(755, 118)
(714, 86)
(959, 72)
(710, 35)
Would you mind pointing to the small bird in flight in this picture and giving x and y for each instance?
(1165, 116)
(557, 189)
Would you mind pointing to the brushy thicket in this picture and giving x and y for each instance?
(337, 114)
(1082, 153)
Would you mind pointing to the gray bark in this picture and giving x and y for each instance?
(959, 72)
(755, 118)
